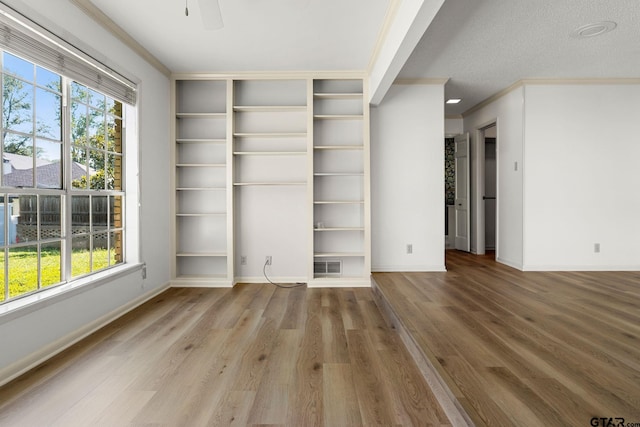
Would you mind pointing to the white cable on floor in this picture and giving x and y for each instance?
(264, 271)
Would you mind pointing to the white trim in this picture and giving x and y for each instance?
(272, 75)
(36, 358)
(581, 268)
(201, 283)
(93, 12)
(408, 268)
(262, 279)
(389, 17)
(39, 300)
(523, 82)
(340, 282)
(516, 265)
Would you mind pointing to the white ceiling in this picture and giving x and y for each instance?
(483, 46)
(258, 35)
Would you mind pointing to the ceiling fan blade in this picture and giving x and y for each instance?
(211, 15)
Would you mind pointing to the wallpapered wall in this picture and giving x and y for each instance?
(449, 171)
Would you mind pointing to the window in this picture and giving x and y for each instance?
(61, 188)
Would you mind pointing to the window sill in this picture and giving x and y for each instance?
(23, 306)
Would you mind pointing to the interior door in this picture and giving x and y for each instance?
(463, 213)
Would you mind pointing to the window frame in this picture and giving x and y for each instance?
(66, 193)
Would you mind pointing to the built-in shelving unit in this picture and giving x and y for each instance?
(341, 239)
(200, 181)
(270, 132)
(273, 166)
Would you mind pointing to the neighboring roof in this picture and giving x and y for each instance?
(19, 161)
(49, 174)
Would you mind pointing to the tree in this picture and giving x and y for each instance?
(92, 130)
(16, 110)
(17, 97)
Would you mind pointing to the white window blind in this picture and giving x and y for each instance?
(34, 43)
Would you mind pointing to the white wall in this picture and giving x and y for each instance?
(407, 179)
(581, 177)
(508, 112)
(453, 127)
(32, 334)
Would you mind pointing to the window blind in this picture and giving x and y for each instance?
(32, 42)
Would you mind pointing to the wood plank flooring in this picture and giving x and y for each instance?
(524, 348)
(251, 355)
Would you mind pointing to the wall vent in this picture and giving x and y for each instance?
(328, 268)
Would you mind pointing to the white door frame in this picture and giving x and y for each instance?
(478, 190)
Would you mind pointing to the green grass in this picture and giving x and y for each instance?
(23, 275)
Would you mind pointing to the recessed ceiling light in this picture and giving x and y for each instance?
(453, 100)
(592, 30)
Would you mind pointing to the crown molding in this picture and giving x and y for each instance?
(550, 82)
(92, 11)
(493, 98)
(389, 17)
(272, 75)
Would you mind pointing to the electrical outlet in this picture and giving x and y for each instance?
(243, 260)
(268, 260)
(409, 248)
(596, 248)
(144, 271)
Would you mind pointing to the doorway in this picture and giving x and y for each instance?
(490, 190)
(486, 189)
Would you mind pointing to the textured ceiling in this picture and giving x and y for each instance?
(486, 46)
(258, 35)
(482, 46)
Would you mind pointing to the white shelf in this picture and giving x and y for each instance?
(271, 135)
(201, 215)
(275, 184)
(338, 202)
(201, 254)
(200, 188)
(338, 116)
(200, 141)
(269, 153)
(340, 229)
(269, 108)
(338, 174)
(338, 147)
(201, 115)
(337, 254)
(200, 165)
(338, 95)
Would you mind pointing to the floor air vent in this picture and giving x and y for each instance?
(327, 268)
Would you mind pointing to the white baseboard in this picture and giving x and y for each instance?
(515, 265)
(408, 268)
(261, 279)
(197, 283)
(29, 362)
(340, 283)
(581, 268)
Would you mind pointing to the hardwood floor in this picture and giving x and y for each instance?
(524, 348)
(251, 355)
